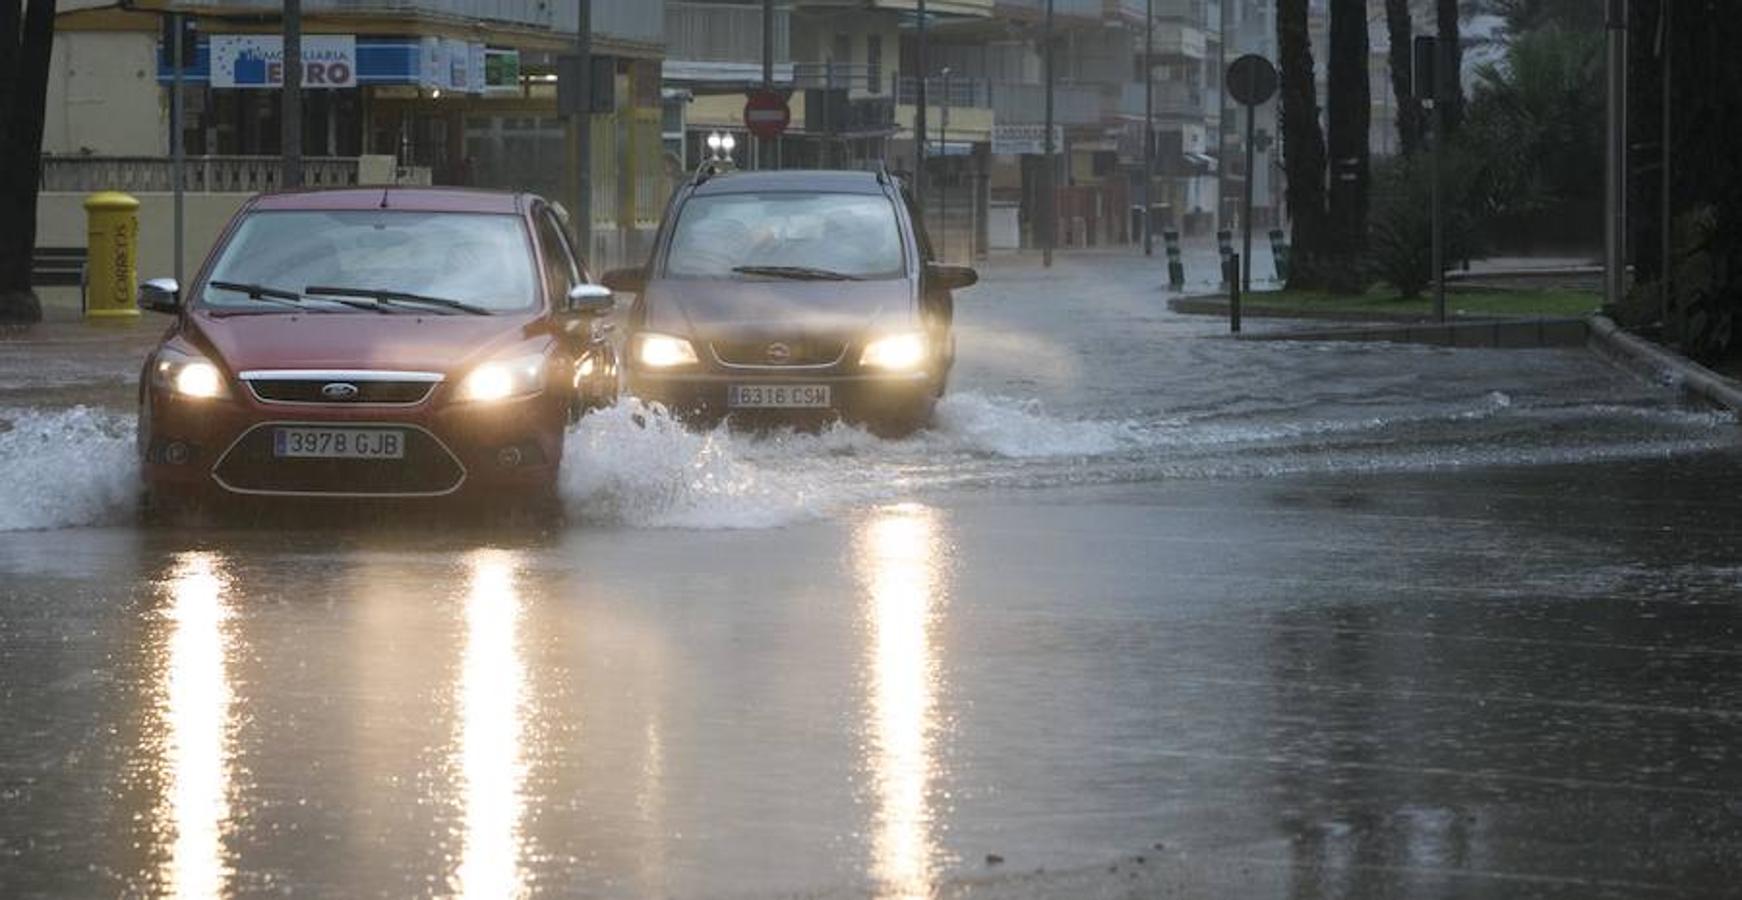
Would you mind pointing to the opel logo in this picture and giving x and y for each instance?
(339, 390)
(779, 352)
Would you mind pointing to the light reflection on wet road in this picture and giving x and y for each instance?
(1452, 644)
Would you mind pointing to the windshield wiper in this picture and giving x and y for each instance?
(385, 296)
(797, 272)
(282, 296)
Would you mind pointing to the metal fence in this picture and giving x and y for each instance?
(203, 174)
(940, 91)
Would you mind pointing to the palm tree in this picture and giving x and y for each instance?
(1400, 31)
(1303, 144)
(25, 46)
(1349, 98)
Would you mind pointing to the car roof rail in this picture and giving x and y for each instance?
(710, 168)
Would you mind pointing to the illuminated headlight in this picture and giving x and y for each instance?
(660, 351)
(189, 376)
(897, 352)
(504, 379)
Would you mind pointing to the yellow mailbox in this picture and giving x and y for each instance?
(112, 235)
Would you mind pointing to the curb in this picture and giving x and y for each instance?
(1643, 357)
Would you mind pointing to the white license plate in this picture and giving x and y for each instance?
(779, 396)
(338, 443)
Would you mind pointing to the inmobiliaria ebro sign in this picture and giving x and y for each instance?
(257, 61)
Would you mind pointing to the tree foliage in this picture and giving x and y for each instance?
(1536, 119)
(1400, 236)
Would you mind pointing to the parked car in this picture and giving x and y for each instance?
(375, 343)
(792, 296)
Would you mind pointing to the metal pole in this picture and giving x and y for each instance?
(943, 183)
(1246, 200)
(1231, 274)
(1224, 25)
(584, 130)
(919, 111)
(1666, 227)
(1615, 199)
(1049, 216)
(1148, 124)
(290, 98)
(1436, 127)
(177, 151)
(764, 148)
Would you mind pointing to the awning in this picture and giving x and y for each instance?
(1202, 161)
(949, 148)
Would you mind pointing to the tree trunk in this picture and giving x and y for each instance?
(1400, 31)
(1303, 145)
(1349, 97)
(1452, 58)
(21, 162)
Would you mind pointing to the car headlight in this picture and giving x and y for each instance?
(502, 379)
(188, 376)
(897, 352)
(662, 351)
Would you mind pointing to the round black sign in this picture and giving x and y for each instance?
(1252, 80)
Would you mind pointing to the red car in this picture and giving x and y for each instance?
(375, 343)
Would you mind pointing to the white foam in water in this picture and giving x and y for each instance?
(66, 467)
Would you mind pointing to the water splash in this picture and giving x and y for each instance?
(66, 467)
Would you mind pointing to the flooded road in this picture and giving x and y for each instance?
(1147, 612)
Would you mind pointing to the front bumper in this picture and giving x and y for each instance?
(214, 448)
(875, 398)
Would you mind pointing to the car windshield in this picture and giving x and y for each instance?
(479, 259)
(757, 235)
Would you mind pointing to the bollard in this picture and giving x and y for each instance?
(1176, 270)
(1279, 254)
(1231, 275)
(1225, 245)
(112, 248)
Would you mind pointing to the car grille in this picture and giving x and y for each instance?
(427, 468)
(763, 352)
(369, 387)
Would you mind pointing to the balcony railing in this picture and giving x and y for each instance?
(976, 92)
(715, 32)
(202, 174)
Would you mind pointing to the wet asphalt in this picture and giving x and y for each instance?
(1151, 613)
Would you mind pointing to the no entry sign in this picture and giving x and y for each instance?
(766, 114)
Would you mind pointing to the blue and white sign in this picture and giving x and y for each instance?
(257, 61)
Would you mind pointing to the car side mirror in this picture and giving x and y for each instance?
(629, 281)
(951, 278)
(590, 300)
(160, 295)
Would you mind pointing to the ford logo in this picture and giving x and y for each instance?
(339, 390)
(779, 352)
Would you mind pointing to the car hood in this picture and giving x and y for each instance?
(710, 307)
(358, 340)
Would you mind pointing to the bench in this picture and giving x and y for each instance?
(58, 267)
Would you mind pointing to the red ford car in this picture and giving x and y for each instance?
(375, 343)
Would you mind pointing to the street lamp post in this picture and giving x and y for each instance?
(1048, 215)
(290, 98)
(1148, 125)
(919, 110)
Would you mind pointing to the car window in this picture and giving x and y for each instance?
(854, 234)
(559, 263)
(477, 258)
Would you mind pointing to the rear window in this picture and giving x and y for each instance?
(482, 259)
(853, 234)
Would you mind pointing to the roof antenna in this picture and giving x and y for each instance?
(383, 198)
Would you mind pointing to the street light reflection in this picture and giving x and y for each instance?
(902, 569)
(492, 694)
(195, 729)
